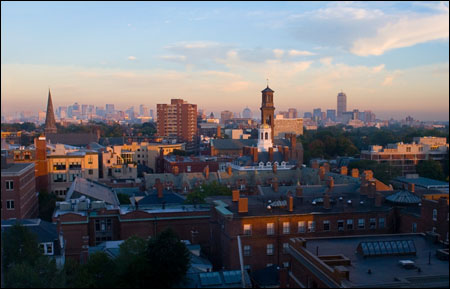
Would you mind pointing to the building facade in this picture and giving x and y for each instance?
(19, 197)
(177, 120)
(341, 104)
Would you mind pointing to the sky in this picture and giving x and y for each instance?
(388, 57)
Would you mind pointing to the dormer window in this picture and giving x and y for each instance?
(283, 163)
(269, 164)
(261, 164)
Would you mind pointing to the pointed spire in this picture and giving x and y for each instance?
(50, 122)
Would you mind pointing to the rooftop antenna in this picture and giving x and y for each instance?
(267, 82)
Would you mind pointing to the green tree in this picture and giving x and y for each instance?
(19, 245)
(101, 271)
(124, 199)
(132, 264)
(430, 169)
(168, 260)
(47, 205)
(198, 195)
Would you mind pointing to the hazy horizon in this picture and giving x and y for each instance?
(388, 57)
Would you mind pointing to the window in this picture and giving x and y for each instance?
(59, 178)
(10, 204)
(286, 264)
(247, 250)
(381, 223)
(414, 227)
(326, 225)
(9, 185)
(340, 225)
(91, 172)
(58, 166)
(286, 228)
(373, 223)
(269, 249)
(408, 149)
(188, 168)
(434, 215)
(267, 135)
(103, 225)
(90, 160)
(361, 223)
(349, 224)
(269, 264)
(285, 248)
(301, 227)
(247, 229)
(311, 226)
(75, 166)
(49, 248)
(270, 229)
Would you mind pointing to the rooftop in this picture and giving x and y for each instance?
(93, 190)
(422, 182)
(45, 231)
(385, 270)
(16, 168)
(311, 203)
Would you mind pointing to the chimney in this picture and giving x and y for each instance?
(291, 203)
(368, 175)
(275, 185)
(274, 168)
(255, 154)
(159, 188)
(322, 173)
(271, 154)
(378, 199)
(243, 205)
(315, 165)
(293, 139)
(330, 183)
(229, 171)
(207, 172)
(286, 153)
(372, 189)
(299, 191)
(235, 195)
(326, 201)
(411, 187)
(175, 170)
(219, 132)
(344, 170)
(355, 173)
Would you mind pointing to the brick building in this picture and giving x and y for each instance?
(19, 197)
(177, 120)
(91, 215)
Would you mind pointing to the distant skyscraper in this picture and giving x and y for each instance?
(151, 114)
(50, 123)
(292, 113)
(341, 103)
(307, 114)
(109, 108)
(247, 113)
(225, 115)
(331, 114)
(317, 114)
(143, 110)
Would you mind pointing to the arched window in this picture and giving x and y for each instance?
(267, 135)
(262, 135)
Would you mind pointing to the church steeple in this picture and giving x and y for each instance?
(50, 122)
(267, 109)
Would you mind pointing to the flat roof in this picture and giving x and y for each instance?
(16, 168)
(257, 205)
(423, 182)
(386, 269)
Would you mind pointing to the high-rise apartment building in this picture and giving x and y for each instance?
(109, 108)
(225, 115)
(292, 113)
(341, 103)
(177, 120)
(331, 114)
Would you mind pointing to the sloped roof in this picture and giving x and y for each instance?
(45, 231)
(403, 197)
(92, 190)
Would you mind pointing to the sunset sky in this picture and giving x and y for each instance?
(391, 58)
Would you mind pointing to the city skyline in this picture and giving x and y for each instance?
(390, 58)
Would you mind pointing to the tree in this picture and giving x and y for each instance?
(168, 260)
(101, 271)
(132, 263)
(47, 204)
(19, 245)
(124, 199)
(430, 169)
(198, 195)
